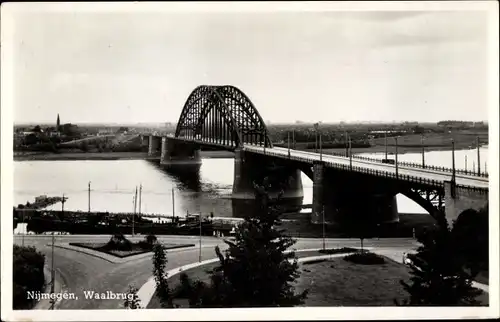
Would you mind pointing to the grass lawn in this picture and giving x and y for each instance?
(338, 282)
(136, 249)
(334, 282)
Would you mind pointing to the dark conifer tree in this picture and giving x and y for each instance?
(255, 271)
(438, 277)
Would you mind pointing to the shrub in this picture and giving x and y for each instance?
(338, 250)
(132, 300)
(365, 258)
(119, 242)
(151, 239)
(28, 275)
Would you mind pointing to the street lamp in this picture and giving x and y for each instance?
(350, 153)
(288, 134)
(89, 198)
(396, 157)
(453, 160)
(324, 242)
(385, 134)
(423, 151)
(320, 148)
(316, 126)
(478, 157)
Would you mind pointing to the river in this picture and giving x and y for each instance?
(113, 183)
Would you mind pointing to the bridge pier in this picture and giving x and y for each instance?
(179, 154)
(458, 199)
(251, 167)
(344, 200)
(154, 145)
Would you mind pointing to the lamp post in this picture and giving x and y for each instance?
(453, 178)
(288, 144)
(316, 126)
(396, 157)
(320, 148)
(173, 206)
(423, 151)
(89, 198)
(386, 152)
(199, 255)
(324, 242)
(478, 157)
(350, 153)
(52, 276)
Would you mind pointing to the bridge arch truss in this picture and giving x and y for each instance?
(222, 115)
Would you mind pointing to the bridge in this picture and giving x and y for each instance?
(345, 187)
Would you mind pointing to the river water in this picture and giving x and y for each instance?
(113, 183)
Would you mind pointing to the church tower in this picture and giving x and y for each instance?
(58, 125)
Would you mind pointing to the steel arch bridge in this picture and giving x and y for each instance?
(223, 115)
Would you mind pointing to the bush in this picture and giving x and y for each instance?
(151, 239)
(338, 250)
(27, 275)
(365, 258)
(119, 242)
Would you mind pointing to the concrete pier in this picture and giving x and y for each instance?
(250, 168)
(179, 154)
(154, 143)
(344, 200)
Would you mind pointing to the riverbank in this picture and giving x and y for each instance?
(69, 156)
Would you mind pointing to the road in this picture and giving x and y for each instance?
(428, 174)
(80, 271)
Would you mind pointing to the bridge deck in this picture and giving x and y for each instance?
(426, 174)
(364, 165)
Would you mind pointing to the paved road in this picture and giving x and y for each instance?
(80, 271)
(310, 157)
(428, 174)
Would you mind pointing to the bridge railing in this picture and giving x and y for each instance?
(404, 164)
(421, 166)
(376, 172)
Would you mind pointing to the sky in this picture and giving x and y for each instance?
(126, 67)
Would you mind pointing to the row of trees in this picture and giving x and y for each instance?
(255, 270)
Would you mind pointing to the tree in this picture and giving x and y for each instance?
(470, 237)
(27, 275)
(438, 277)
(255, 271)
(159, 265)
(132, 300)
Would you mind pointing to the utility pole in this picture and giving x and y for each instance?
(199, 256)
(52, 276)
(173, 206)
(89, 197)
(320, 148)
(293, 138)
(346, 144)
(478, 157)
(453, 161)
(324, 242)
(350, 153)
(423, 151)
(385, 133)
(140, 198)
(396, 157)
(288, 144)
(135, 209)
(465, 163)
